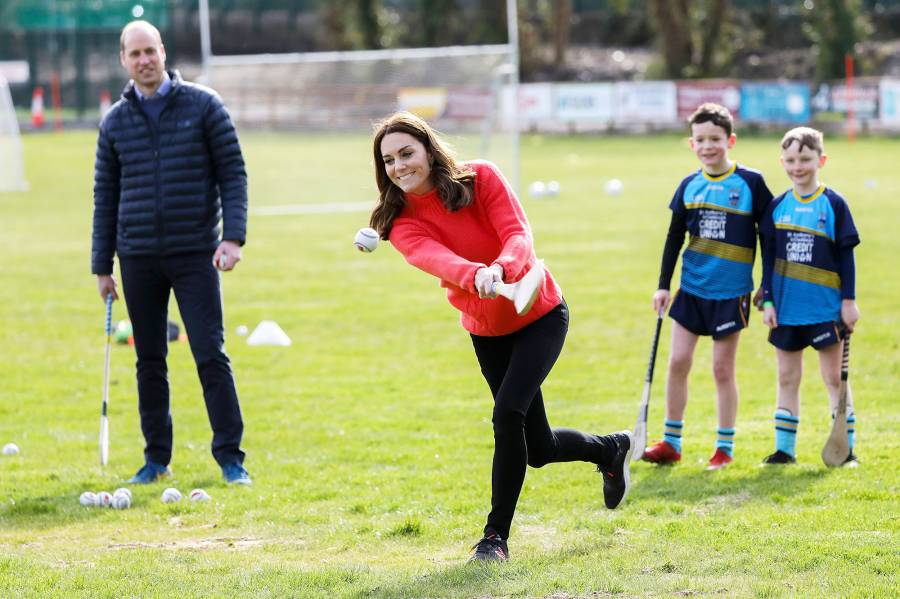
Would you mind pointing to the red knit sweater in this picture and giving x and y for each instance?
(493, 229)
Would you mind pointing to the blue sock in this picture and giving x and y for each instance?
(786, 432)
(725, 440)
(672, 436)
(851, 428)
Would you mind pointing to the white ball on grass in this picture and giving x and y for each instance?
(171, 495)
(88, 498)
(199, 495)
(10, 449)
(553, 188)
(121, 501)
(614, 187)
(104, 499)
(122, 491)
(366, 239)
(537, 189)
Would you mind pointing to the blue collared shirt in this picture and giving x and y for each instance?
(162, 90)
(153, 105)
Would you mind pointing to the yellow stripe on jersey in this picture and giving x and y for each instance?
(724, 175)
(712, 206)
(806, 200)
(810, 274)
(790, 227)
(720, 249)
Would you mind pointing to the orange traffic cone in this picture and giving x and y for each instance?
(37, 107)
(105, 102)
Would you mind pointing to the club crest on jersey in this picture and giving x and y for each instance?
(823, 218)
(733, 196)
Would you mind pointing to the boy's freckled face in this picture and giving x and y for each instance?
(711, 144)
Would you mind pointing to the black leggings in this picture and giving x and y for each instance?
(514, 366)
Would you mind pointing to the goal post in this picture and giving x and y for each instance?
(458, 89)
(12, 160)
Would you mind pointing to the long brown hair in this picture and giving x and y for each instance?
(454, 182)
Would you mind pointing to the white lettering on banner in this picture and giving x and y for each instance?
(712, 224)
(799, 247)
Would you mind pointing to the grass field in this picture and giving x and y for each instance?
(369, 439)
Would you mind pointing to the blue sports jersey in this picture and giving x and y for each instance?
(807, 236)
(721, 215)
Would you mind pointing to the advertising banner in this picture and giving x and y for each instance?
(775, 102)
(584, 102)
(643, 102)
(692, 94)
(889, 102)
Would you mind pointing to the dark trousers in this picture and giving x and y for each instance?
(147, 282)
(514, 366)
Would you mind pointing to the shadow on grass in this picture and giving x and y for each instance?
(691, 486)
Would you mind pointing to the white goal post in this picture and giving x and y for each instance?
(458, 89)
(12, 160)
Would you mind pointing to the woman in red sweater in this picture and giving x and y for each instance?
(462, 223)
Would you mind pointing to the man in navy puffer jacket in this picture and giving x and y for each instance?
(169, 167)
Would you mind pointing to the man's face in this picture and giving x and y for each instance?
(144, 58)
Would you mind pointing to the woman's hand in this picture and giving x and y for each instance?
(485, 278)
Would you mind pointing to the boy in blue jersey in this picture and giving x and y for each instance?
(720, 205)
(808, 281)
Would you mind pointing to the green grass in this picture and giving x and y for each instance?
(369, 438)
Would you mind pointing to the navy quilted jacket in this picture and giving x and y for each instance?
(161, 190)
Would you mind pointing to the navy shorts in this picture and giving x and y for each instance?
(797, 337)
(716, 318)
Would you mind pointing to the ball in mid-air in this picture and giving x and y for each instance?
(199, 495)
(171, 495)
(366, 239)
(10, 449)
(242, 330)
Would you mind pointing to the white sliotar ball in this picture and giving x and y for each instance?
(171, 495)
(122, 491)
(10, 449)
(121, 501)
(199, 495)
(366, 239)
(552, 188)
(242, 330)
(537, 189)
(104, 499)
(88, 498)
(614, 187)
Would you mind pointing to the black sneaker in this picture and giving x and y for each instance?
(780, 457)
(616, 479)
(851, 462)
(491, 548)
